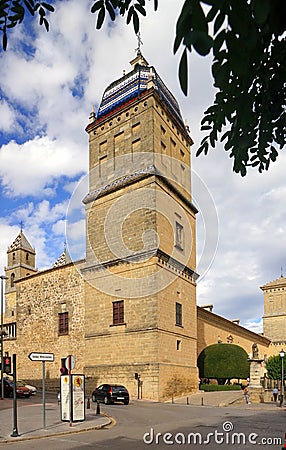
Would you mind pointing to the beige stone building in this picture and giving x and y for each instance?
(274, 318)
(129, 306)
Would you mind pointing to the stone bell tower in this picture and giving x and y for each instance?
(20, 264)
(274, 317)
(141, 237)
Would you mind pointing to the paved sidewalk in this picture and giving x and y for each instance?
(223, 398)
(30, 421)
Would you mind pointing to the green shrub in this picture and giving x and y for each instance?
(220, 387)
(223, 362)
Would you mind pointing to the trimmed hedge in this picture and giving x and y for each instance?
(223, 362)
(220, 387)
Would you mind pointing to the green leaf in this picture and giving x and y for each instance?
(225, 135)
(203, 148)
(140, 9)
(183, 72)
(96, 6)
(46, 23)
(111, 11)
(136, 22)
(130, 14)
(100, 18)
(29, 7)
(4, 40)
(16, 18)
(42, 12)
(199, 21)
(184, 20)
(48, 6)
(218, 42)
(202, 43)
(261, 10)
(177, 43)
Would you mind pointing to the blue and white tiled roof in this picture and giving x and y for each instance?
(131, 86)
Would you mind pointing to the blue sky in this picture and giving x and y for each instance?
(48, 84)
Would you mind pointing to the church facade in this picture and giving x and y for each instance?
(129, 307)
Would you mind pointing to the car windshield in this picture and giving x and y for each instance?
(20, 383)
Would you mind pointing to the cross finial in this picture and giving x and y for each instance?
(21, 225)
(281, 271)
(139, 40)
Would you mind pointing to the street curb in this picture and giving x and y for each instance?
(111, 420)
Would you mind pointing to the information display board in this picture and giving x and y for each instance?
(72, 397)
(78, 403)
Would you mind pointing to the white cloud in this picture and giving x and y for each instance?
(7, 115)
(33, 167)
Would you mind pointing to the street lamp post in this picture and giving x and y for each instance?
(2, 332)
(282, 354)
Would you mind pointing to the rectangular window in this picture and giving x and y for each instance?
(103, 147)
(179, 236)
(136, 127)
(101, 161)
(118, 312)
(63, 324)
(179, 314)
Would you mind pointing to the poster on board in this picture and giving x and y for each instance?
(72, 398)
(78, 397)
(65, 398)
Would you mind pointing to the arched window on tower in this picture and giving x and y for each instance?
(12, 279)
(14, 256)
(27, 256)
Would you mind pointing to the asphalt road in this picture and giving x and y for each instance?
(143, 425)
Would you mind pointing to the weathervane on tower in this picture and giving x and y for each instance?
(138, 49)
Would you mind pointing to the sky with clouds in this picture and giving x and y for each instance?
(48, 84)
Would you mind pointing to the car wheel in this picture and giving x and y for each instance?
(126, 402)
(93, 398)
(106, 401)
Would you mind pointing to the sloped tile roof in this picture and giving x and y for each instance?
(63, 259)
(21, 242)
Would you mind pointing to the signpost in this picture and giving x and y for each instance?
(70, 363)
(72, 394)
(38, 356)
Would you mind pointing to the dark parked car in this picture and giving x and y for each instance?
(21, 391)
(110, 393)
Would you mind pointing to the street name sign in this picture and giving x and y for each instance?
(37, 356)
